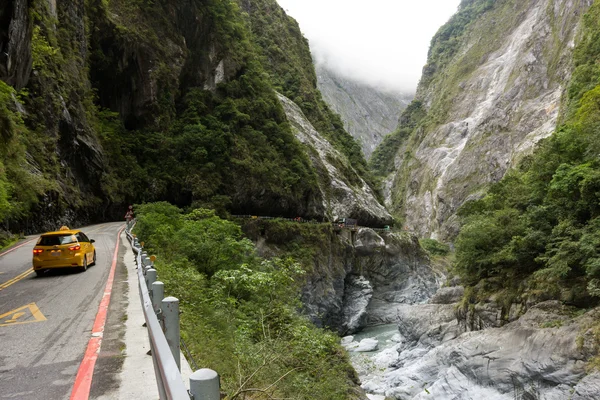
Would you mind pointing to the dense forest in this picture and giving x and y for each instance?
(240, 311)
(109, 103)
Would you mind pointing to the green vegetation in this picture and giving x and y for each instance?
(446, 68)
(382, 160)
(447, 41)
(303, 242)
(231, 148)
(137, 116)
(20, 185)
(537, 231)
(434, 248)
(240, 313)
(45, 123)
(287, 58)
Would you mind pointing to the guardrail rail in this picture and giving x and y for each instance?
(162, 321)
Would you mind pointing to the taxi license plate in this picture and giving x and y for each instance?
(55, 253)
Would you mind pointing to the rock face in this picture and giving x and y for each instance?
(361, 283)
(488, 106)
(357, 294)
(97, 96)
(15, 43)
(541, 356)
(368, 113)
(344, 192)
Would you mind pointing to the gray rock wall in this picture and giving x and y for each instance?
(359, 284)
(498, 96)
(368, 113)
(15, 42)
(543, 355)
(343, 192)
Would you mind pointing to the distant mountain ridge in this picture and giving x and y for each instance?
(368, 113)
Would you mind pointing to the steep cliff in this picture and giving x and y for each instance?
(491, 90)
(287, 58)
(108, 103)
(343, 191)
(51, 159)
(368, 113)
(354, 279)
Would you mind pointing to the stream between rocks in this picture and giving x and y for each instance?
(409, 339)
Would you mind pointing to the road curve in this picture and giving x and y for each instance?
(46, 322)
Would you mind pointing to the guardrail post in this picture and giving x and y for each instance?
(150, 277)
(146, 261)
(205, 385)
(170, 310)
(158, 293)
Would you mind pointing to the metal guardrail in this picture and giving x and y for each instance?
(162, 320)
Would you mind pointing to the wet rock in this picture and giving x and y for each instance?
(397, 338)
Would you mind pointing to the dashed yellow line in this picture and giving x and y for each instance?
(16, 279)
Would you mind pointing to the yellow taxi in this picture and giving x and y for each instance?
(65, 248)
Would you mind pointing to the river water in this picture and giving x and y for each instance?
(371, 366)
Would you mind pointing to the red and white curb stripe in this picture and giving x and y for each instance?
(83, 381)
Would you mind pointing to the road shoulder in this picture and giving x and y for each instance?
(133, 377)
(126, 339)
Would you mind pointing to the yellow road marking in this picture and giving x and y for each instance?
(15, 317)
(22, 315)
(16, 279)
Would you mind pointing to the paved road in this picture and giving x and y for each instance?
(46, 322)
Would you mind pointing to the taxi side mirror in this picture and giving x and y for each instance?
(92, 241)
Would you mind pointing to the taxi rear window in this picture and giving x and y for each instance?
(56, 240)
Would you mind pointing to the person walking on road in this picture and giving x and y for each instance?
(129, 215)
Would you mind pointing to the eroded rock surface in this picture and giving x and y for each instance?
(498, 96)
(358, 283)
(542, 355)
(344, 192)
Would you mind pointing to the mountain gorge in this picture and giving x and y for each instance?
(213, 108)
(110, 103)
(491, 89)
(498, 155)
(369, 113)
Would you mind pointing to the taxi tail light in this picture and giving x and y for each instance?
(74, 248)
(38, 251)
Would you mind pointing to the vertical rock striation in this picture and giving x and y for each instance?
(368, 113)
(489, 102)
(343, 192)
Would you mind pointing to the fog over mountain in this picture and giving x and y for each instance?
(369, 112)
(383, 43)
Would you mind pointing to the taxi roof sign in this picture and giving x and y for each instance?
(64, 228)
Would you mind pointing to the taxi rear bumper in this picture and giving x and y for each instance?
(59, 262)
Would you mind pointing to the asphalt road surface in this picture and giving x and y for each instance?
(46, 322)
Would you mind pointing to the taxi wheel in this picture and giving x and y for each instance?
(94, 259)
(84, 266)
(39, 272)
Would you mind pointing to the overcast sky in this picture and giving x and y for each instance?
(380, 42)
